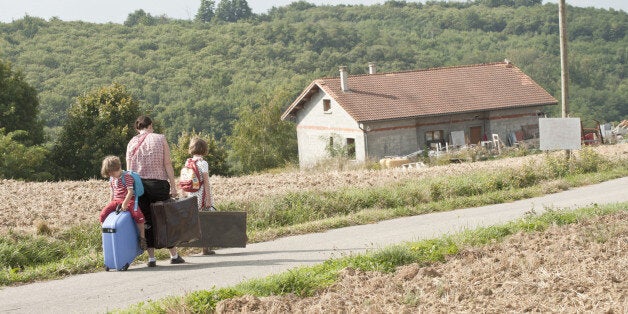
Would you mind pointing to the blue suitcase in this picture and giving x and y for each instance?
(120, 244)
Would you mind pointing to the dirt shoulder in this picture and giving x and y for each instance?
(575, 268)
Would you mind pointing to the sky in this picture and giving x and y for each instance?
(117, 11)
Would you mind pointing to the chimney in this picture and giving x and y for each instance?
(508, 63)
(371, 67)
(344, 84)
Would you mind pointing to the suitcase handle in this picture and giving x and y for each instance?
(118, 208)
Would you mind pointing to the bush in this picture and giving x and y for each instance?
(589, 161)
(18, 161)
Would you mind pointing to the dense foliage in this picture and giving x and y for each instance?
(19, 107)
(260, 140)
(19, 161)
(100, 123)
(204, 74)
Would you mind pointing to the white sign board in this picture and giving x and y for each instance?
(560, 133)
(457, 138)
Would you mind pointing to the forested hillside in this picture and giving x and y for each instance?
(195, 75)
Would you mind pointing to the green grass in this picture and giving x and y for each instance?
(305, 281)
(27, 258)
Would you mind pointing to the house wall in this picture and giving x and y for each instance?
(402, 137)
(315, 127)
(391, 138)
(505, 122)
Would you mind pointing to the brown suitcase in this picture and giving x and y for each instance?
(221, 229)
(175, 222)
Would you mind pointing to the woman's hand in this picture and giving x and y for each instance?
(173, 191)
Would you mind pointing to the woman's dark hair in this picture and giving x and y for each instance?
(142, 122)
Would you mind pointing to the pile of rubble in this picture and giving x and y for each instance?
(620, 131)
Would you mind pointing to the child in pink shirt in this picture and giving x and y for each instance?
(121, 194)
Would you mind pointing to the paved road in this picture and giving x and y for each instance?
(103, 291)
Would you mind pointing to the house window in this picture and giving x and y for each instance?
(433, 138)
(326, 105)
(434, 135)
(351, 148)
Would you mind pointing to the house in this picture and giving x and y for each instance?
(394, 114)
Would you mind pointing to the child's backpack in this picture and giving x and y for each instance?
(138, 187)
(190, 179)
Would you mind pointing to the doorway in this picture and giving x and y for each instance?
(475, 134)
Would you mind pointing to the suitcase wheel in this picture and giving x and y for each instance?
(106, 268)
(125, 267)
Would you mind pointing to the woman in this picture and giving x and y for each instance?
(148, 154)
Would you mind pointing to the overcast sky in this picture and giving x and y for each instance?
(117, 10)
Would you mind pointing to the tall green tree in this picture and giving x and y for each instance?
(100, 123)
(233, 10)
(19, 107)
(205, 12)
(260, 140)
(242, 9)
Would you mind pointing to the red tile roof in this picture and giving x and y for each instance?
(438, 91)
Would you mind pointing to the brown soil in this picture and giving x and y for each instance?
(570, 269)
(59, 205)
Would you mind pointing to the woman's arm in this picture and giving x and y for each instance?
(169, 169)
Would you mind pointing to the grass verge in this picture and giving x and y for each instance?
(305, 281)
(27, 258)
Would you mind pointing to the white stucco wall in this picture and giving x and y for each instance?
(315, 127)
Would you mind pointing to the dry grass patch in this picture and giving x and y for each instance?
(52, 206)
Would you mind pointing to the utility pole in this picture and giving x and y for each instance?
(564, 70)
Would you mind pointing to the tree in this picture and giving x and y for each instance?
(205, 12)
(496, 3)
(139, 17)
(224, 11)
(19, 107)
(233, 10)
(301, 5)
(527, 3)
(216, 154)
(241, 9)
(260, 139)
(18, 161)
(100, 123)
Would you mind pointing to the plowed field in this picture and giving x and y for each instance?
(579, 268)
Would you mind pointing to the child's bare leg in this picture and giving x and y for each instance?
(140, 227)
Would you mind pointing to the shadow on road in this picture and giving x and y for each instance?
(246, 253)
(217, 260)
